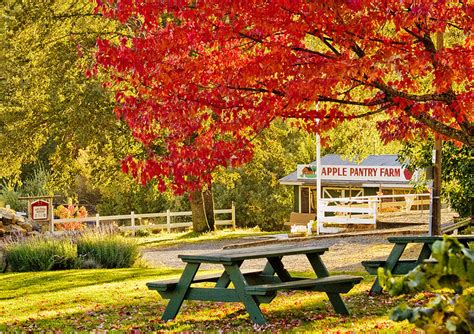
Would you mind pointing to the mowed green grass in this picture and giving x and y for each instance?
(118, 300)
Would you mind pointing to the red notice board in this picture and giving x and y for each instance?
(40, 210)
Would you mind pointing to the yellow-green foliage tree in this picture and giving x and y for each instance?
(260, 199)
(49, 110)
(55, 120)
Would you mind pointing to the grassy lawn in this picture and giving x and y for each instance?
(117, 299)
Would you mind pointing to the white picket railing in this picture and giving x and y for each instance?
(136, 223)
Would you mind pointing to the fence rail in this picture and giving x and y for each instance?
(134, 217)
(364, 209)
(346, 211)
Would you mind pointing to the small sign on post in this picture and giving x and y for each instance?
(40, 210)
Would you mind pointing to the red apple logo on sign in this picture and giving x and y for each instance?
(407, 174)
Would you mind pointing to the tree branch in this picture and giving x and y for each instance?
(300, 49)
(319, 98)
(447, 97)
(441, 128)
(312, 52)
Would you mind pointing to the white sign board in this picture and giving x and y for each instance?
(355, 173)
(40, 212)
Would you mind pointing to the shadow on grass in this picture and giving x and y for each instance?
(12, 284)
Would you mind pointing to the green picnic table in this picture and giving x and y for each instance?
(400, 267)
(251, 287)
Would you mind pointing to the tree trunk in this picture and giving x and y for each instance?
(200, 224)
(435, 223)
(202, 207)
(208, 200)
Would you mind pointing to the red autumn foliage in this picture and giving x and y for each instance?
(197, 80)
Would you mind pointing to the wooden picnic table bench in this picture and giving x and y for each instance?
(252, 287)
(401, 267)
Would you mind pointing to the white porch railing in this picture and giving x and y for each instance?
(136, 220)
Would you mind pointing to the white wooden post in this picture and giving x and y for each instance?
(132, 219)
(233, 215)
(51, 224)
(97, 220)
(168, 220)
(319, 214)
(373, 206)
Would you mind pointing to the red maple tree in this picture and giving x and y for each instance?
(199, 79)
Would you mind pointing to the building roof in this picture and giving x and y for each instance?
(337, 160)
(371, 160)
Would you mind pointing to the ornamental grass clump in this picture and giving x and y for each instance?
(107, 251)
(40, 254)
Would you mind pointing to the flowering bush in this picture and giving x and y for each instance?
(71, 211)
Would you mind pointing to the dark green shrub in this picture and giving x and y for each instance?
(40, 254)
(142, 233)
(107, 251)
(451, 275)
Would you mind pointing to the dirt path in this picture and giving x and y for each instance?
(345, 254)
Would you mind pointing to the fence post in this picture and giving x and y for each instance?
(51, 224)
(233, 215)
(373, 206)
(168, 220)
(97, 220)
(132, 219)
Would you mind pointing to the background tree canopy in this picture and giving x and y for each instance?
(49, 109)
(204, 78)
(57, 127)
(457, 167)
(59, 134)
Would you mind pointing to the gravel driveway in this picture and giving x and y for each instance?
(345, 254)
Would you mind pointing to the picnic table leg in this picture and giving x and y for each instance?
(268, 269)
(182, 287)
(391, 262)
(224, 280)
(321, 271)
(424, 254)
(249, 301)
(279, 269)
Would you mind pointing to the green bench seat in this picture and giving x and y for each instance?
(169, 285)
(331, 284)
(402, 266)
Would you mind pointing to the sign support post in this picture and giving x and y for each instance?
(318, 182)
(318, 176)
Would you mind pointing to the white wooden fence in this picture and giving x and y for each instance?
(346, 211)
(137, 220)
(363, 209)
